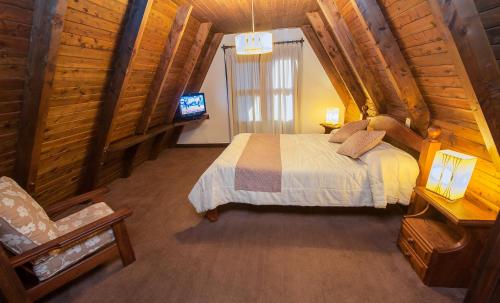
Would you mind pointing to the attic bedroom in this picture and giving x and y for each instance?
(249, 151)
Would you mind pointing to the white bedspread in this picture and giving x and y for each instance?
(313, 174)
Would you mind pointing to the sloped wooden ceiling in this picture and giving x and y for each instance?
(234, 16)
(93, 94)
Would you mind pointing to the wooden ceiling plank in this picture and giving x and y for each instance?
(48, 21)
(166, 61)
(338, 61)
(396, 67)
(206, 62)
(460, 25)
(331, 72)
(187, 71)
(126, 52)
(353, 53)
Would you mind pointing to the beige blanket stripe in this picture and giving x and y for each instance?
(259, 166)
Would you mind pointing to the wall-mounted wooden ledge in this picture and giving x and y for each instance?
(137, 139)
(153, 132)
(201, 118)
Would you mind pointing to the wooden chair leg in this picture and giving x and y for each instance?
(212, 215)
(11, 288)
(126, 251)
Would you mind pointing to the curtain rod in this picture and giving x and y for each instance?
(224, 47)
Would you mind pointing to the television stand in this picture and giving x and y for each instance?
(179, 127)
(192, 121)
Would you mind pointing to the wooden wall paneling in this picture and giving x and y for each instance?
(338, 61)
(468, 46)
(396, 67)
(48, 20)
(205, 61)
(353, 54)
(395, 107)
(15, 30)
(188, 69)
(167, 59)
(126, 52)
(351, 110)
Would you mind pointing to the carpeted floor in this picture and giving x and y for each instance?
(250, 254)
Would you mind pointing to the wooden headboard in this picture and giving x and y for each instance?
(397, 133)
(403, 137)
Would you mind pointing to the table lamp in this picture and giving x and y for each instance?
(450, 174)
(332, 115)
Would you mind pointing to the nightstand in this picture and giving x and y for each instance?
(329, 127)
(444, 241)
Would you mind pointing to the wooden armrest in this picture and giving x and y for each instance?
(59, 207)
(71, 238)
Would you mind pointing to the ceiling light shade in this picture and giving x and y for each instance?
(254, 43)
(450, 173)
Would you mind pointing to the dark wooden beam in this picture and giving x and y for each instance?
(166, 61)
(126, 52)
(205, 62)
(468, 46)
(352, 52)
(187, 71)
(337, 59)
(129, 159)
(330, 70)
(48, 20)
(397, 68)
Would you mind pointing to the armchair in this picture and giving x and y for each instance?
(84, 239)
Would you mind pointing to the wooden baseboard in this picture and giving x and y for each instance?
(218, 145)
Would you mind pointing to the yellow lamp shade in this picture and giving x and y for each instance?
(333, 115)
(450, 174)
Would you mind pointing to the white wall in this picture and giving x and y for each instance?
(317, 95)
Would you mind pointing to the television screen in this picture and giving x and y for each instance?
(192, 106)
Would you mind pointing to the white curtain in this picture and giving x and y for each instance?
(264, 90)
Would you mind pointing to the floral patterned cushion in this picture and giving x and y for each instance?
(348, 130)
(361, 142)
(24, 224)
(48, 266)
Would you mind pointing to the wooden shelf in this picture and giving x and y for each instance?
(194, 121)
(461, 211)
(137, 139)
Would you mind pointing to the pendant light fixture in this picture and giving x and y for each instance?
(254, 43)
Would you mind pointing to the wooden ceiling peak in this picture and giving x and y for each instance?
(236, 16)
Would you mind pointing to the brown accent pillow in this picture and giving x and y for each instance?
(361, 142)
(348, 130)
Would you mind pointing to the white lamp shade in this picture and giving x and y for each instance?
(332, 115)
(450, 174)
(254, 43)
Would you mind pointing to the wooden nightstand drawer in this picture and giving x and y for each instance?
(418, 265)
(409, 237)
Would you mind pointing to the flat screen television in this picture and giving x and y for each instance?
(191, 106)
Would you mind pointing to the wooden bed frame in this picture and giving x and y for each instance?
(397, 134)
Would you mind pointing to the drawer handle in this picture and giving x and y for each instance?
(411, 240)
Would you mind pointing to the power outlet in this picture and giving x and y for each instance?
(408, 122)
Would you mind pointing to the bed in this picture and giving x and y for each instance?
(306, 170)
